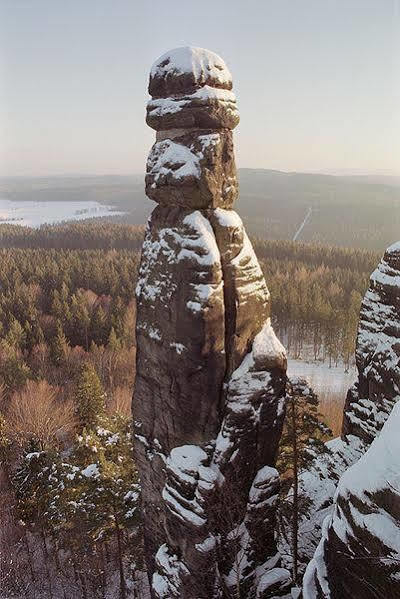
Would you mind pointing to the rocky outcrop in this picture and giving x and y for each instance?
(359, 553)
(369, 402)
(372, 398)
(211, 375)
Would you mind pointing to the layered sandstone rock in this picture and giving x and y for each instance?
(211, 375)
(369, 402)
(372, 398)
(359, 553)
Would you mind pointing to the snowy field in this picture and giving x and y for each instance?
(34, 214)
(323, 380)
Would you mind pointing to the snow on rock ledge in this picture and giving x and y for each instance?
(370, 400)
(191, 87)
(358, 555)
(193, 171)
(378, 352)
(210, 374)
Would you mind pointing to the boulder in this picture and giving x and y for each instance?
(191, 88)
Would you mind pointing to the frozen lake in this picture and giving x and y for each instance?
(34, 214)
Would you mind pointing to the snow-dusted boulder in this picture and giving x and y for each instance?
(191, 87)
(211, 375)
(182, 69)
(359, 553)
(193, 171)
(369, 401)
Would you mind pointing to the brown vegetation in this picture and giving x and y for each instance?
(36, 412)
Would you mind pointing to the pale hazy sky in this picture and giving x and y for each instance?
(317, 81)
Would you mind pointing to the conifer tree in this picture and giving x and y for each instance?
(30, 484)
(98, 325)
(56, 305)
(113, 343)
(117, 316)
(80, 322)
(14, 372)
(89, 397)
(59, 346)
(302, 441)
(15, 335)
(108, 483)
(33, 493)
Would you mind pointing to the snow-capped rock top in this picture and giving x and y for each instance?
(188, 65)
(379, 467)
(268, 350)
(191, 89)
(395, 247)
(392, 258)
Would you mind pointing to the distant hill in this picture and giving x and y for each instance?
(348, 211)
(391, 180)
(354, 211)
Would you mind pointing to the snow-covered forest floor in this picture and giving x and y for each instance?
(330, 383)
(324, 380)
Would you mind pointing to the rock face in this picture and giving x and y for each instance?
(372, 398)
(211, 375)
(369, 402)
(359, 553)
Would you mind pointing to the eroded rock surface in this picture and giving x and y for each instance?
(359, 553)
(369, 402)
(211, 375)
(372, 398)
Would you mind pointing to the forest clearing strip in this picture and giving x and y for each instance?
(299, 230)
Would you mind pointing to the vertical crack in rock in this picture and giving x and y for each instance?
(211, 375)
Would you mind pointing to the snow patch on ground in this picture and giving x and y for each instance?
(91, 471)
(321, 377)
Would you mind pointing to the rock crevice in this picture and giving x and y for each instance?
(211, 375)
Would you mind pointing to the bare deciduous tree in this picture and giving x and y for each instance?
(36, 412)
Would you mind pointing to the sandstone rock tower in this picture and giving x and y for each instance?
(370, 401)
(368, 405)
(358, 555)
(211, 375)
